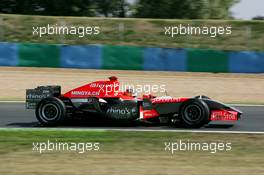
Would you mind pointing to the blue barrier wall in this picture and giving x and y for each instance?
(246, 62)
(83, 56)
(164, 59)
(130, 57)
(8, 54)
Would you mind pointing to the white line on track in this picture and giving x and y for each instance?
(249, 105)
(9, 101)
(134, 130)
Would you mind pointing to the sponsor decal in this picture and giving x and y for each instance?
(106, 88)
(121, 111)
(84, 93)
(96, 85)
(150, 114)
(81, 100)
(146, 104)
(36, 96)
(224, 115)
(46, 91)
(168, 99)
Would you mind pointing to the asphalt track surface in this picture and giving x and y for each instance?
(14, 115)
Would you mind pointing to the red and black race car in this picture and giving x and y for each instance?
(104, 99)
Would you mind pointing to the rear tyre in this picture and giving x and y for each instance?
(202, 97)
(194, 113)
(50, 111)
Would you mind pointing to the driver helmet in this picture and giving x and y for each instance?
(130, 92)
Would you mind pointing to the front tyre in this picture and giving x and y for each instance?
(194, 113)
(50, 111)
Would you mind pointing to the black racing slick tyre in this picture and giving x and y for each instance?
(202, 97)
(194, 113)
(50, 111)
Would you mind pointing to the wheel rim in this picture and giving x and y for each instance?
(49, 112)
(192, 113)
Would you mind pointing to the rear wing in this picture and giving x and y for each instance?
(34, 96)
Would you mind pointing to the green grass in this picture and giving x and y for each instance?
(128, 153)
(14, 139)
(246, 35)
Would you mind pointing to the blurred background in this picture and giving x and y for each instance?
(132, 37)
(136, 22)
(134, 30)
(170, 9)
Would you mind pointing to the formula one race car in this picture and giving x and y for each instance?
(104, 99)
